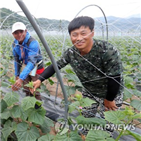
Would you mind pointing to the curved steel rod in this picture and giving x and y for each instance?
(101, 11)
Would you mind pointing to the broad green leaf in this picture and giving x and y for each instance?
(70, 90)
(115, 116)
(72, 136)
(4, 84)
(17, 112)
(11, 98)
(90, 121)
(37, 115)
(71, 77)
(129, 82)
(9, 127)
(136, 116)
(45, 127)
(28, 102)
(127, 94)
(47, 137)
(6, 114)
(26, 133)
(86, 102)
(3, 105)
(24, 115)
(137, 93)
(136, 104)
(73, 106)
(98, 135)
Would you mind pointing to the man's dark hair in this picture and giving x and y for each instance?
(81, 21)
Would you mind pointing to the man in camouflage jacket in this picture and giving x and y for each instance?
(96, 63)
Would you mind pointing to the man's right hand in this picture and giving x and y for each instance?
(36, 84)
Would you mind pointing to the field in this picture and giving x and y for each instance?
(130, 50)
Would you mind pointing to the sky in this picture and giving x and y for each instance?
(68, 9)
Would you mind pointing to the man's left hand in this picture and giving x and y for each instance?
(110, 105)
(17, 85)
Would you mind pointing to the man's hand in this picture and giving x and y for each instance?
(17, 85)
(17, 77)
(110, 105)
(36, 85)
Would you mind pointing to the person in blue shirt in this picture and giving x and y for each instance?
(28, 61)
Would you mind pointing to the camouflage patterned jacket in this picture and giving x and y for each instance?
(93, 68)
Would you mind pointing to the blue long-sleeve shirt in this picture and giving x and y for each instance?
(32, 56)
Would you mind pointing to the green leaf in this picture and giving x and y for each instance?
(72, 136)
(115, 116)
(69, 70)
(48, 63)
(129, 82)
(39, 90)
(70, 90)
(12, 80)
(11, 98)
(90, 121)
(137, 93)
(86, 102)
(9, 127)
(30, 84)
(6, 114)
(128, 111)
(26, 133)
(47, 137)
(28, 102)
(43, 86)
(45, 127)
(135, 135)
(98, 135)
(127, 94)
(4, 84)
(73, 106)
(24, 115)
(37, 115)
(73, 78)
(50, 81)
(136, 104)
(136, 116)
(3, 105)
(16, 111)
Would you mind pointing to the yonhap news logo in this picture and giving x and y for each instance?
(103, 127)
(61, 126)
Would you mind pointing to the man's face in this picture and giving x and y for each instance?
(20, 35)
(82, 38)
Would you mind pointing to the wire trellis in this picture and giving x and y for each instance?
(58, 38)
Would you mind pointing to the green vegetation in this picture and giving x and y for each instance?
(18, 122)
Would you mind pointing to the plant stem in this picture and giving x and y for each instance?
(119, 135)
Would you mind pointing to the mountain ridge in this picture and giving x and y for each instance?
(129, 23)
